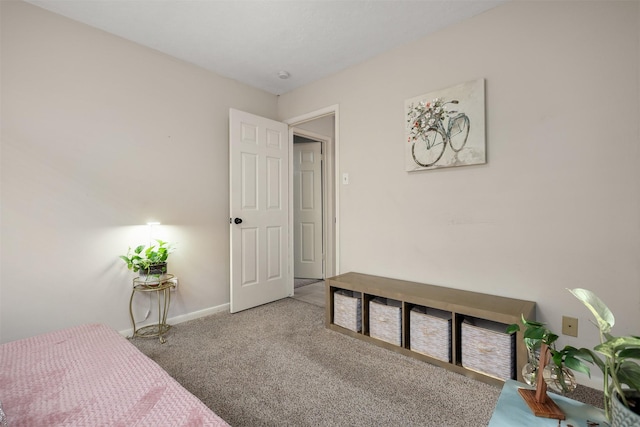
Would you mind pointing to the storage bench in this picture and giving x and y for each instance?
(446, 341)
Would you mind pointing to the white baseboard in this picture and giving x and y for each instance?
(198, 314)
(183, 317)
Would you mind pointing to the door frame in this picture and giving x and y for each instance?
(332, 208)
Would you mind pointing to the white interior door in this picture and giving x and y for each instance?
(307, 212)
(259, 217)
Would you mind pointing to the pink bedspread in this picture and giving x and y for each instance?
(92, 376)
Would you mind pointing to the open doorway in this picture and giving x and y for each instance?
(314, 202)
(308, 213)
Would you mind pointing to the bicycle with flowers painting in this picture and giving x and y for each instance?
(432, 126)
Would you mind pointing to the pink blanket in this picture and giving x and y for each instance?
(92, 376)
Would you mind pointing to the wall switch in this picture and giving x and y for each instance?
(570, 326)
(345, 178)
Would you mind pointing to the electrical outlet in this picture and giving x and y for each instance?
(570, 326)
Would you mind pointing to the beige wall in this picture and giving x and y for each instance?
(100, 135)
(323, 126)
(558, 203)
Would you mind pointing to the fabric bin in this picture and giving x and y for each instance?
(486, 348)
(430, 332)
(347, 309)
(385, 320)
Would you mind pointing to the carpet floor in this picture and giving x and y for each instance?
(298, 283)
(277, 365)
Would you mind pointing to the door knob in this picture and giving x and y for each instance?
(238, 220)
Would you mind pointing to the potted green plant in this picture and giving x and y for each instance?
(149, 261)
(618, 358)
(557, 374)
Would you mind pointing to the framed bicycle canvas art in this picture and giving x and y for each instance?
(446, 128)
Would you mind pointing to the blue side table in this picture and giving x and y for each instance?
(511, 410)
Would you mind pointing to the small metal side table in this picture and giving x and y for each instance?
(162, 288)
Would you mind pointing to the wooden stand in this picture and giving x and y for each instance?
(538, 401)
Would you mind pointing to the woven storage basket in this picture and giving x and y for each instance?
(430, 332)
(347, 310)
(487, 348)
(385, 320)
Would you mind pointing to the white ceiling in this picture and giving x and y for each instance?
(252, 40)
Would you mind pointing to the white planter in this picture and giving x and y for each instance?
(154, 274)
(621, 416)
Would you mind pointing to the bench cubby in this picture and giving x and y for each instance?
(430, 332)
(385, 320)
(452, 308)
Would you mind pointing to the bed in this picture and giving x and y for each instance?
(90, 375)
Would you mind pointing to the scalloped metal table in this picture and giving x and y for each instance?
(162, 287)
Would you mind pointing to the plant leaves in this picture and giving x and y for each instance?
(557, 357)
(514, 327)
(630, 353)
(535, 333)
(577, 365)
(591, 356)
(629, 374)
(530, 322)
(601, 312)
(617, 344)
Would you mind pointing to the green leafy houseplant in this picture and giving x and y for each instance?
(145, 260)
(617, 357)
(537, 333)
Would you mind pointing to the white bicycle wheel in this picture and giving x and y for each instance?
(429, 149)
(458, 131)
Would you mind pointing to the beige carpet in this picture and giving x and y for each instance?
(277, 365)
(298, 283)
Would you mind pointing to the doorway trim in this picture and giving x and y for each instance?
(332, 158)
